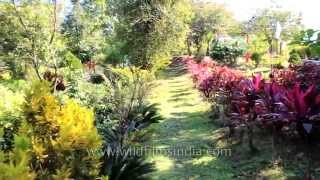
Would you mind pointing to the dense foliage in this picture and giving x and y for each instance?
(53, 137)
(294, 57)
(75, 76)
(86, 29)
(267, 22)
(209, 20)
(257, 58)
(151, 31)
(226, 53)
(29, 37)
(286, 103)
(306, 44)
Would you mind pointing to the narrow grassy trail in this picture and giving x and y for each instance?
(186, 125)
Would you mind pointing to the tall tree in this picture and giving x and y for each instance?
(265, 21)
(209, 20)
(86, 28)
(30, 37)
(150, 30)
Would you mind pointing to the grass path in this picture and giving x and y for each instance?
(186, 125)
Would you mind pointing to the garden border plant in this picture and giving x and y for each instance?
(286, 103)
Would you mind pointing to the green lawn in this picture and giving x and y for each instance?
(186, 125)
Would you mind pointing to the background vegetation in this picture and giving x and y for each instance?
(75, 77)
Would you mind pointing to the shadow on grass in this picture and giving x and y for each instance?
(180, 90)
(177, 99)
(176, 82)
(173, 72)
(200, 168)
(177, 95)
(184, 105)
(287, 159)
(187, 130)
(191, 127)
(187, 125)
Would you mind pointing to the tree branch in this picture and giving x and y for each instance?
(19, 17)
(54, 21)
(33, 53)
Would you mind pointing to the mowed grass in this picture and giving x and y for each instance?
(186, 125)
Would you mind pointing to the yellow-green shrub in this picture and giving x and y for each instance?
(15, 165)
(10, 102)
(77, 130)
(15, 170)
(63, 135)
(10, 117)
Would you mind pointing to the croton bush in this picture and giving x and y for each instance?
(51, 133)
(287, 102)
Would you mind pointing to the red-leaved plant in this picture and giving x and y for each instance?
(305, 106)
(287, 101)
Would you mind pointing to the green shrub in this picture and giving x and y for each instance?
(304, 52)
(226, 54)
(82, 89)
(14, 148)
(256, 57)
(294, 57)
(122, 118)
(315, 50)
(278, 66)
(15, 165)
(310, 51)
(10, 102)
(72, 61)
(114, 56)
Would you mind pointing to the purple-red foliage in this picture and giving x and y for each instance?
(290, 97)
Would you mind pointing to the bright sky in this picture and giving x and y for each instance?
(244, 9)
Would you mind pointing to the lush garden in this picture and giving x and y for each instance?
(85, 82)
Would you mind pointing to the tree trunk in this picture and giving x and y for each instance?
(36, 65)
(189, 47)
(208, 48)
(270, 46)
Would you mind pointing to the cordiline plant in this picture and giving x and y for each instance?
(293, 109)
(212, 79)
(226, 81)
(300, 97)
(214, 82)
(305, 106)
(307, 74)
(272, 114)
(285, 77)
(243, 105)
(206, 84)
(287, 102)
(270, 109)
(197, 71)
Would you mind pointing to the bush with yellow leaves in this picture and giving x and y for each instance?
(15, 165)
(63, 135)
